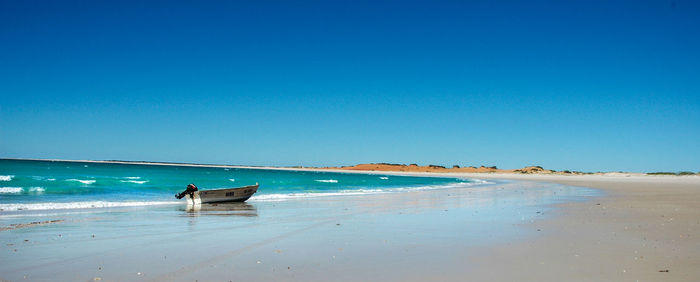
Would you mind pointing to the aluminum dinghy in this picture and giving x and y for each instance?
(240, 194)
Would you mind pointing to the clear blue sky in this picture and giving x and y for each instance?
(579, 85)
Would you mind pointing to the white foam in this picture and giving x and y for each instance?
(383, 177)
(51, 179)
(11, 190)
(232, 179)
(358, 192)
(282, 197)
(132, 177)
(79, 205)
(37, 189)
(479, 181)
(327, 180)
(135, 181)
(6, 177)
(86, 182)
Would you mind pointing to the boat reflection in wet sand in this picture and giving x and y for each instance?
(240, 194)
(222, 209)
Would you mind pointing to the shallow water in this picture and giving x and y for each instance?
(47, 185)
(386, 236)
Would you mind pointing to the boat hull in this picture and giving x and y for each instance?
(240, 194)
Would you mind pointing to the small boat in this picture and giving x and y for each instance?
(240, 194)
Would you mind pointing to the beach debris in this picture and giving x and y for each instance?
(663, 270)
(138, 273)
(31, 224)
(97, 279)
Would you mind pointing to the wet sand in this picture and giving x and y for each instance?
(391, 237)
(646, 229)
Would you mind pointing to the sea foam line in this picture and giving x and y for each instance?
(326, 180)
(358, 192)
(11, 190)
(78, 205)
(87, 182)
(6, 177)
(134, 181)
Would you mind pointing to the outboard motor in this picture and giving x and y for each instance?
(191, 188)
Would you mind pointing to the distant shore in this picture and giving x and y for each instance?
(472, 171)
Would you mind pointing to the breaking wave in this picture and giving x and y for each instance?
(6, 177)
(11, 190)
(358, 192)
(78, 205)
(86, 182)
(327, 180)
(135, 181)
(37, 189)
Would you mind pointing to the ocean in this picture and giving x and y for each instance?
(59, 185)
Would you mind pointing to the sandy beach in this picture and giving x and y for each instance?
(628, 227)
(645, 229)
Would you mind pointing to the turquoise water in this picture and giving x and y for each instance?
(50, 185)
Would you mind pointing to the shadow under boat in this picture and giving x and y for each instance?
(221, 209)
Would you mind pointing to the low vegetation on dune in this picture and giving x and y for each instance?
(535, 169)
(673, 173)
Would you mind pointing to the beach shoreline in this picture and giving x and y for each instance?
(642, 227)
